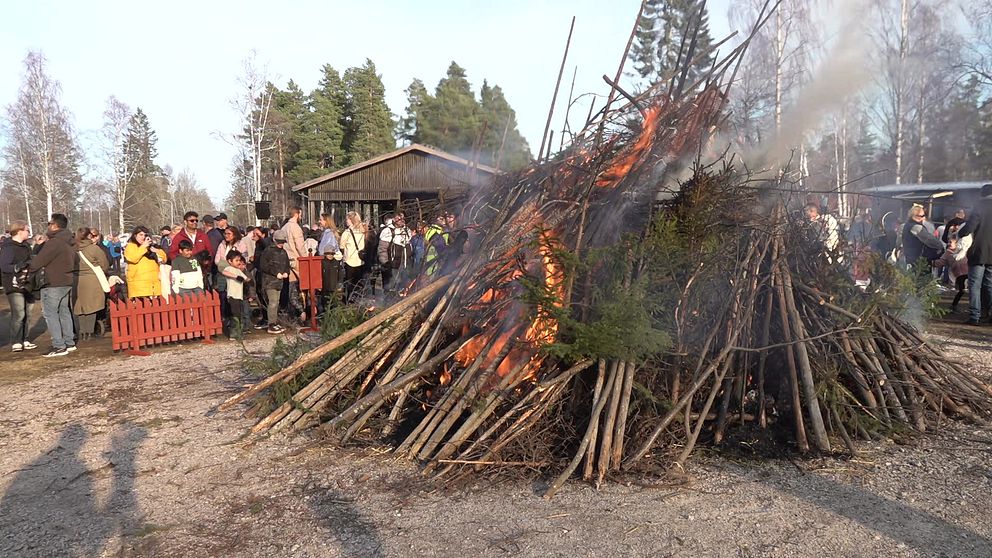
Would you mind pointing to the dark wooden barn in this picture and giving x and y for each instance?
(381, 184)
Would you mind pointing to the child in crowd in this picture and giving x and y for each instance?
(274, 265)
(236, 274)
(187, 277)
(956, 261)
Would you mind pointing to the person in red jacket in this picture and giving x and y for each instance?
(196, 237)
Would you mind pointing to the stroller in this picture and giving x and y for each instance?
(118, 293)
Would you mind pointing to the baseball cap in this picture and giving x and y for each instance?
(221, 216)
(280, 236)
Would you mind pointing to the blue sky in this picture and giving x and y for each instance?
(179, 61)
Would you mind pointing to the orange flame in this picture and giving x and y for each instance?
(612, 176)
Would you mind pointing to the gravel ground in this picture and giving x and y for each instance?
(128, 457)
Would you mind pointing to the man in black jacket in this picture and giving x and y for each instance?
(58, 258)
(979, 226)
(14, 254)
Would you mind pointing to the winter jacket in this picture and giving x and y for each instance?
(58, 257)
(979, 227)
(295, 247)
(272, 262)
(142, 271)
(90, 297)
(214, 237)
(13, 255)
(919, 241)
(186, 274)
(957, 260)
(200, 244)
(395, 250)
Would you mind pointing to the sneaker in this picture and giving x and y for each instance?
(55, 353)
(70, 349)
(29, 345)
(16, 347)
(260, 326)
(276, 329)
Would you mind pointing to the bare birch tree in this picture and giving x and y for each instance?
(48, 138)
(116, 117)
(252, 103)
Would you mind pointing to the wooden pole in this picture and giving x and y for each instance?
(314, 355)
(554, 97)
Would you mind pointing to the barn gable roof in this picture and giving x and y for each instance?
(413, 148)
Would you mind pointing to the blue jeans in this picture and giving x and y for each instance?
(18, 318)
(979, 283)
(55, 307)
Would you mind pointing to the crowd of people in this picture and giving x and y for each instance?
(74, 275)
(958, 253)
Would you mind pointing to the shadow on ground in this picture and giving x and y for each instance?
(53, 506)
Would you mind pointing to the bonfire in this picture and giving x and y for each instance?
(607, 318)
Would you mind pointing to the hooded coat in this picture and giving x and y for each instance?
(90, 297)
(142, 271)
(13, 254)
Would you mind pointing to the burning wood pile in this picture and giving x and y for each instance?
(590, 329)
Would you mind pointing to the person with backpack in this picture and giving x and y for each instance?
(979, 227)
(395, 253)
(353, 253)
(14, 256)
(57, 257)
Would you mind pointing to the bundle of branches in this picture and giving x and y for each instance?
(585, 319)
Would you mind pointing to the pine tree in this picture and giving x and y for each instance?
(320, 136)
(451, 118)
(663, 37)
(368, 122)
(146, 188)
(509, 150)
(417, 97)
(286, 117)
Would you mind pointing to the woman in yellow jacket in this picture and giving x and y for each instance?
(143, 262)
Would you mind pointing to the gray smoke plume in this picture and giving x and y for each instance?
(843, 73)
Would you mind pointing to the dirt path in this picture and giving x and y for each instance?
(126, 457)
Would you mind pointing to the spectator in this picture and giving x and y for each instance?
(187, 278)
(824, 227)
(58, 258)
(918, 238)
(192, 233)
(143, 261)
(235, 272)
(215, 227)
(395, 253)
(91, 290)
(417, 244)
(274, 265)
(232, 238)
(979, 227)
(352, 250)
(14, 255)
(295, 248)
(435, 241)
(955, 260)
(165, 238)
(329, 248)
(457, 239)
(115, 250)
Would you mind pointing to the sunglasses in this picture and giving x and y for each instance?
(192, 220)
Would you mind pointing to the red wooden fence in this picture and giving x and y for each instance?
(144, 322)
